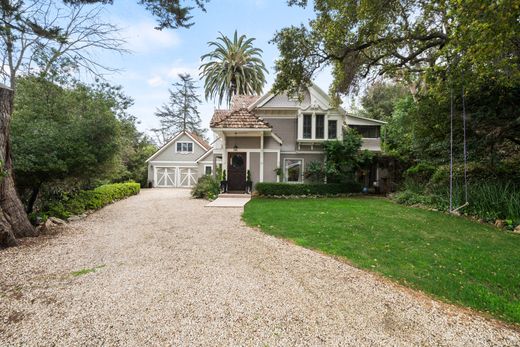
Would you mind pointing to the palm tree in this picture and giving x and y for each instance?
(233, 67)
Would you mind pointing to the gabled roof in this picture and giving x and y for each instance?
(314, 98)
(199, 139)
(208, 152)
(241, 119)
(196, 138)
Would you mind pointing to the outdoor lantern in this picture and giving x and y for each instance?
(235, 147)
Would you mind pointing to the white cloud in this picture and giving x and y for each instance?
(179, 68)
(143, 38)
(167, 74)
(156, 81)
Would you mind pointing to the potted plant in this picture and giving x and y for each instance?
(249, 183)
(279, 172)
(223, 182)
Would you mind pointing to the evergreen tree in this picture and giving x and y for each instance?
(180, 113)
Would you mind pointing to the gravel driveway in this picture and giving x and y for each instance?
(168, 271)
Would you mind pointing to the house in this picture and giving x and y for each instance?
(177, 164)
(274, 137)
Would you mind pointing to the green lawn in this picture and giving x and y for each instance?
(454, 259)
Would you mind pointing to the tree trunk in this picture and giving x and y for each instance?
(13, 219)
(33, 197)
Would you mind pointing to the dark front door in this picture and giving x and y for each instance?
(237, 171)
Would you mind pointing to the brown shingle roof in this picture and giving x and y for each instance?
(241, 118)
(199, 140)
(218, 115)
(237, 102)
(242, 101)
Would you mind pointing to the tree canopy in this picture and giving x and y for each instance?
(181, 112)
(405, 39)
(170, 14)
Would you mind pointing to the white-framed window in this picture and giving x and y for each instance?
(184, 147)
(333, 129)
(208, 169)
(317, 126)
(307, 126)
(293, 170)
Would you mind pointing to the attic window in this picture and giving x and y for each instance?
(184, 147)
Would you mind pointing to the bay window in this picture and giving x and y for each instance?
(317, 126)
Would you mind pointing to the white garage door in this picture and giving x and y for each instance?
(176, 177)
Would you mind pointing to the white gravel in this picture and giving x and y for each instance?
(172, 272)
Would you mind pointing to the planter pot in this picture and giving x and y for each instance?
(249, 187)
(223, 186)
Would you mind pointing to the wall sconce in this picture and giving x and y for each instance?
(235, 147)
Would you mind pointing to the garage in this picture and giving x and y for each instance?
(175, 165)
(176, 177)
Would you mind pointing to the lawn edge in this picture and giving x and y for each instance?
(417, 293)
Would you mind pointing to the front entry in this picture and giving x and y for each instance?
(237, 171)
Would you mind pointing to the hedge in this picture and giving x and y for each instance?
(92, 199)
(279, 189)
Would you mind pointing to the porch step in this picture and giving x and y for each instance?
(234, 195)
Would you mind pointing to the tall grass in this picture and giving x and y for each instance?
(489, 200)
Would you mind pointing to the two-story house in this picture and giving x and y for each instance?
(275, 138)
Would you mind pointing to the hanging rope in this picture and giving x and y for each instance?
(465, 147)
(451, 149)
(465, 153)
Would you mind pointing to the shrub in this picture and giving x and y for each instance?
(315, 171)
(421, 172)
(207, 187)
(92, 199)
(273, 189)
(409, 197)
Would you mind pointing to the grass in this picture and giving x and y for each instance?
(86, 271)
(451, 258)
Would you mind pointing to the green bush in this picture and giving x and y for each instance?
(476, 172)
(279, 189)
(207, 187)
(92, 199)
(409, 197)
(421, 172)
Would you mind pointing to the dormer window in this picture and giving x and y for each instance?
(184, 147)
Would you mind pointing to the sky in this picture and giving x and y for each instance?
(159, 56)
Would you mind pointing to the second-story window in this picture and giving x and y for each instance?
(332, 129)
(320, 126)
(184, 147)
(307, 126)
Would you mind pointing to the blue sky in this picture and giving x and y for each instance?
(158, 56)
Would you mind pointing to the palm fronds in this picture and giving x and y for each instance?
(232, 67)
